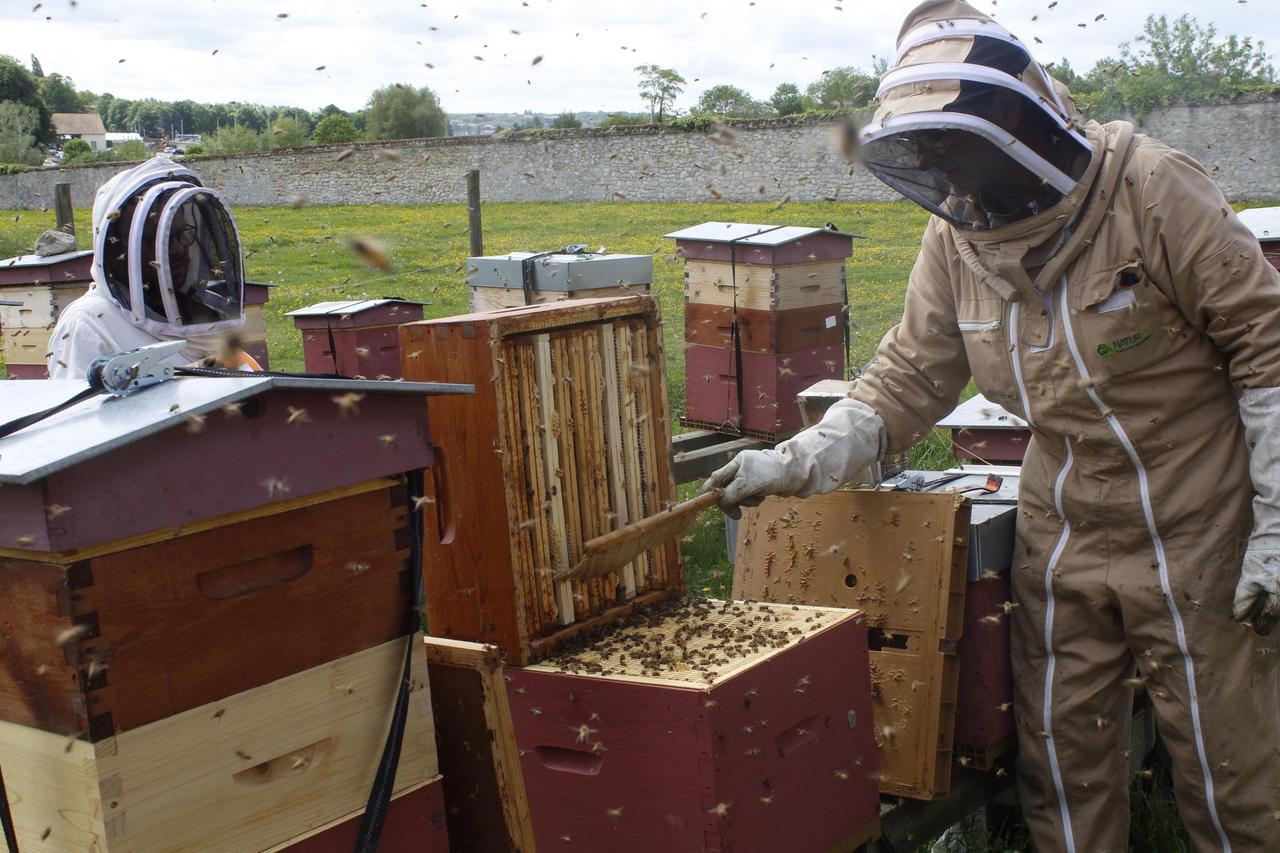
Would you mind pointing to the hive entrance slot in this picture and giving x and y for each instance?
(878, 640)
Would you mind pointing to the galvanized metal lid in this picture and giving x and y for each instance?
(104, 423)
(44, 260)
(980, 413)
(349, 306)
(1264, 222)
(752, 235)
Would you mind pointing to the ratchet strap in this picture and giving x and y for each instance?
(375, 811)
(25, 421)
(6, 819)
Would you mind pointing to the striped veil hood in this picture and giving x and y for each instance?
(969, 125)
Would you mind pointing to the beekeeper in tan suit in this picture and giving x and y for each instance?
(1096, 283)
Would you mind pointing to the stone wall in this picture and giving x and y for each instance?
(1238, 141)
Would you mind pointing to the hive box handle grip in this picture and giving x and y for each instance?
(285, 766)
(577, 761)
(444, 502)
(805, 731)
(250, 576)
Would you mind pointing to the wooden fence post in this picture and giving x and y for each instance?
(473, 213)
(62, 208)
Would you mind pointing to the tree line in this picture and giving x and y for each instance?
(1178, 60)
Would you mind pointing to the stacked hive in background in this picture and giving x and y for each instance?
(642, 723)
(1264, 222)
(47, 285)
(205, 601)
(355, 337)
(531, 278)
(785, 289)
(901, 558)
(565, 439)
(253, 338)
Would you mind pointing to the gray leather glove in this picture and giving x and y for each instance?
(1257, 598)
(849, 438)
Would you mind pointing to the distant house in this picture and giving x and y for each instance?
(116, 138)
(86, 126)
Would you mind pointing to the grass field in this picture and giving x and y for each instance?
(305, 252)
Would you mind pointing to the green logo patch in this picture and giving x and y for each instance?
(1124, 344)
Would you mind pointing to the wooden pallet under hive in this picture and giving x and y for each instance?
(900, 557)
(703, 725)
(564, 440)
(247, 772)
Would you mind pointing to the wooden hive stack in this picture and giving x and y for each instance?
(901, 558)
(152, 546)
(45, 286)
(703, 725)
(766, 316)
(570, 415)
(532, 278)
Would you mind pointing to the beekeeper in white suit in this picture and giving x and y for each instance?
(166, 266)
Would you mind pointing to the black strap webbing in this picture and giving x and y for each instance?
(738, 379)
(6, 819)
(375, 812)
(27, 420)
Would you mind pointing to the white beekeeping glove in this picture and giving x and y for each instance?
(1257, 598)
(849, 438)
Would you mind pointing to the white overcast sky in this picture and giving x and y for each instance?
(589, 47)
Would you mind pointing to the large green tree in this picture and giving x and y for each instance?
(787, 100)
(404, 112)
(287, 132)
(18, 125)
(845, 88)
(566, 121)
(58, 93)
(726, 100)
(333, 129)
(18, 84)
(659, 88)
(1170, 60)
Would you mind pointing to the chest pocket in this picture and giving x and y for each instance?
(1123, 322)
(983, 327)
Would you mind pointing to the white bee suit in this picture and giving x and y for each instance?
(166, 267)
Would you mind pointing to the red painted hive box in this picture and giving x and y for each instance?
(703, 725)
(355, 337)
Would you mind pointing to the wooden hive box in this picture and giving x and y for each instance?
(703, 725)
(984, 701)
(129, 594)
(502, 281)
(254, 335)
(900, 557)
(565, 439)
(765, 331)
(45, 286)
(415, 823)
(354, 337)
(764, 245)
(770, 383)
(247, 772)
(762, 288)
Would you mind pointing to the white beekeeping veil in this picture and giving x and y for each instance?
(969, 125)
(167, 252)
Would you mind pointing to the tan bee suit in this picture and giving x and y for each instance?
(1126, 354)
